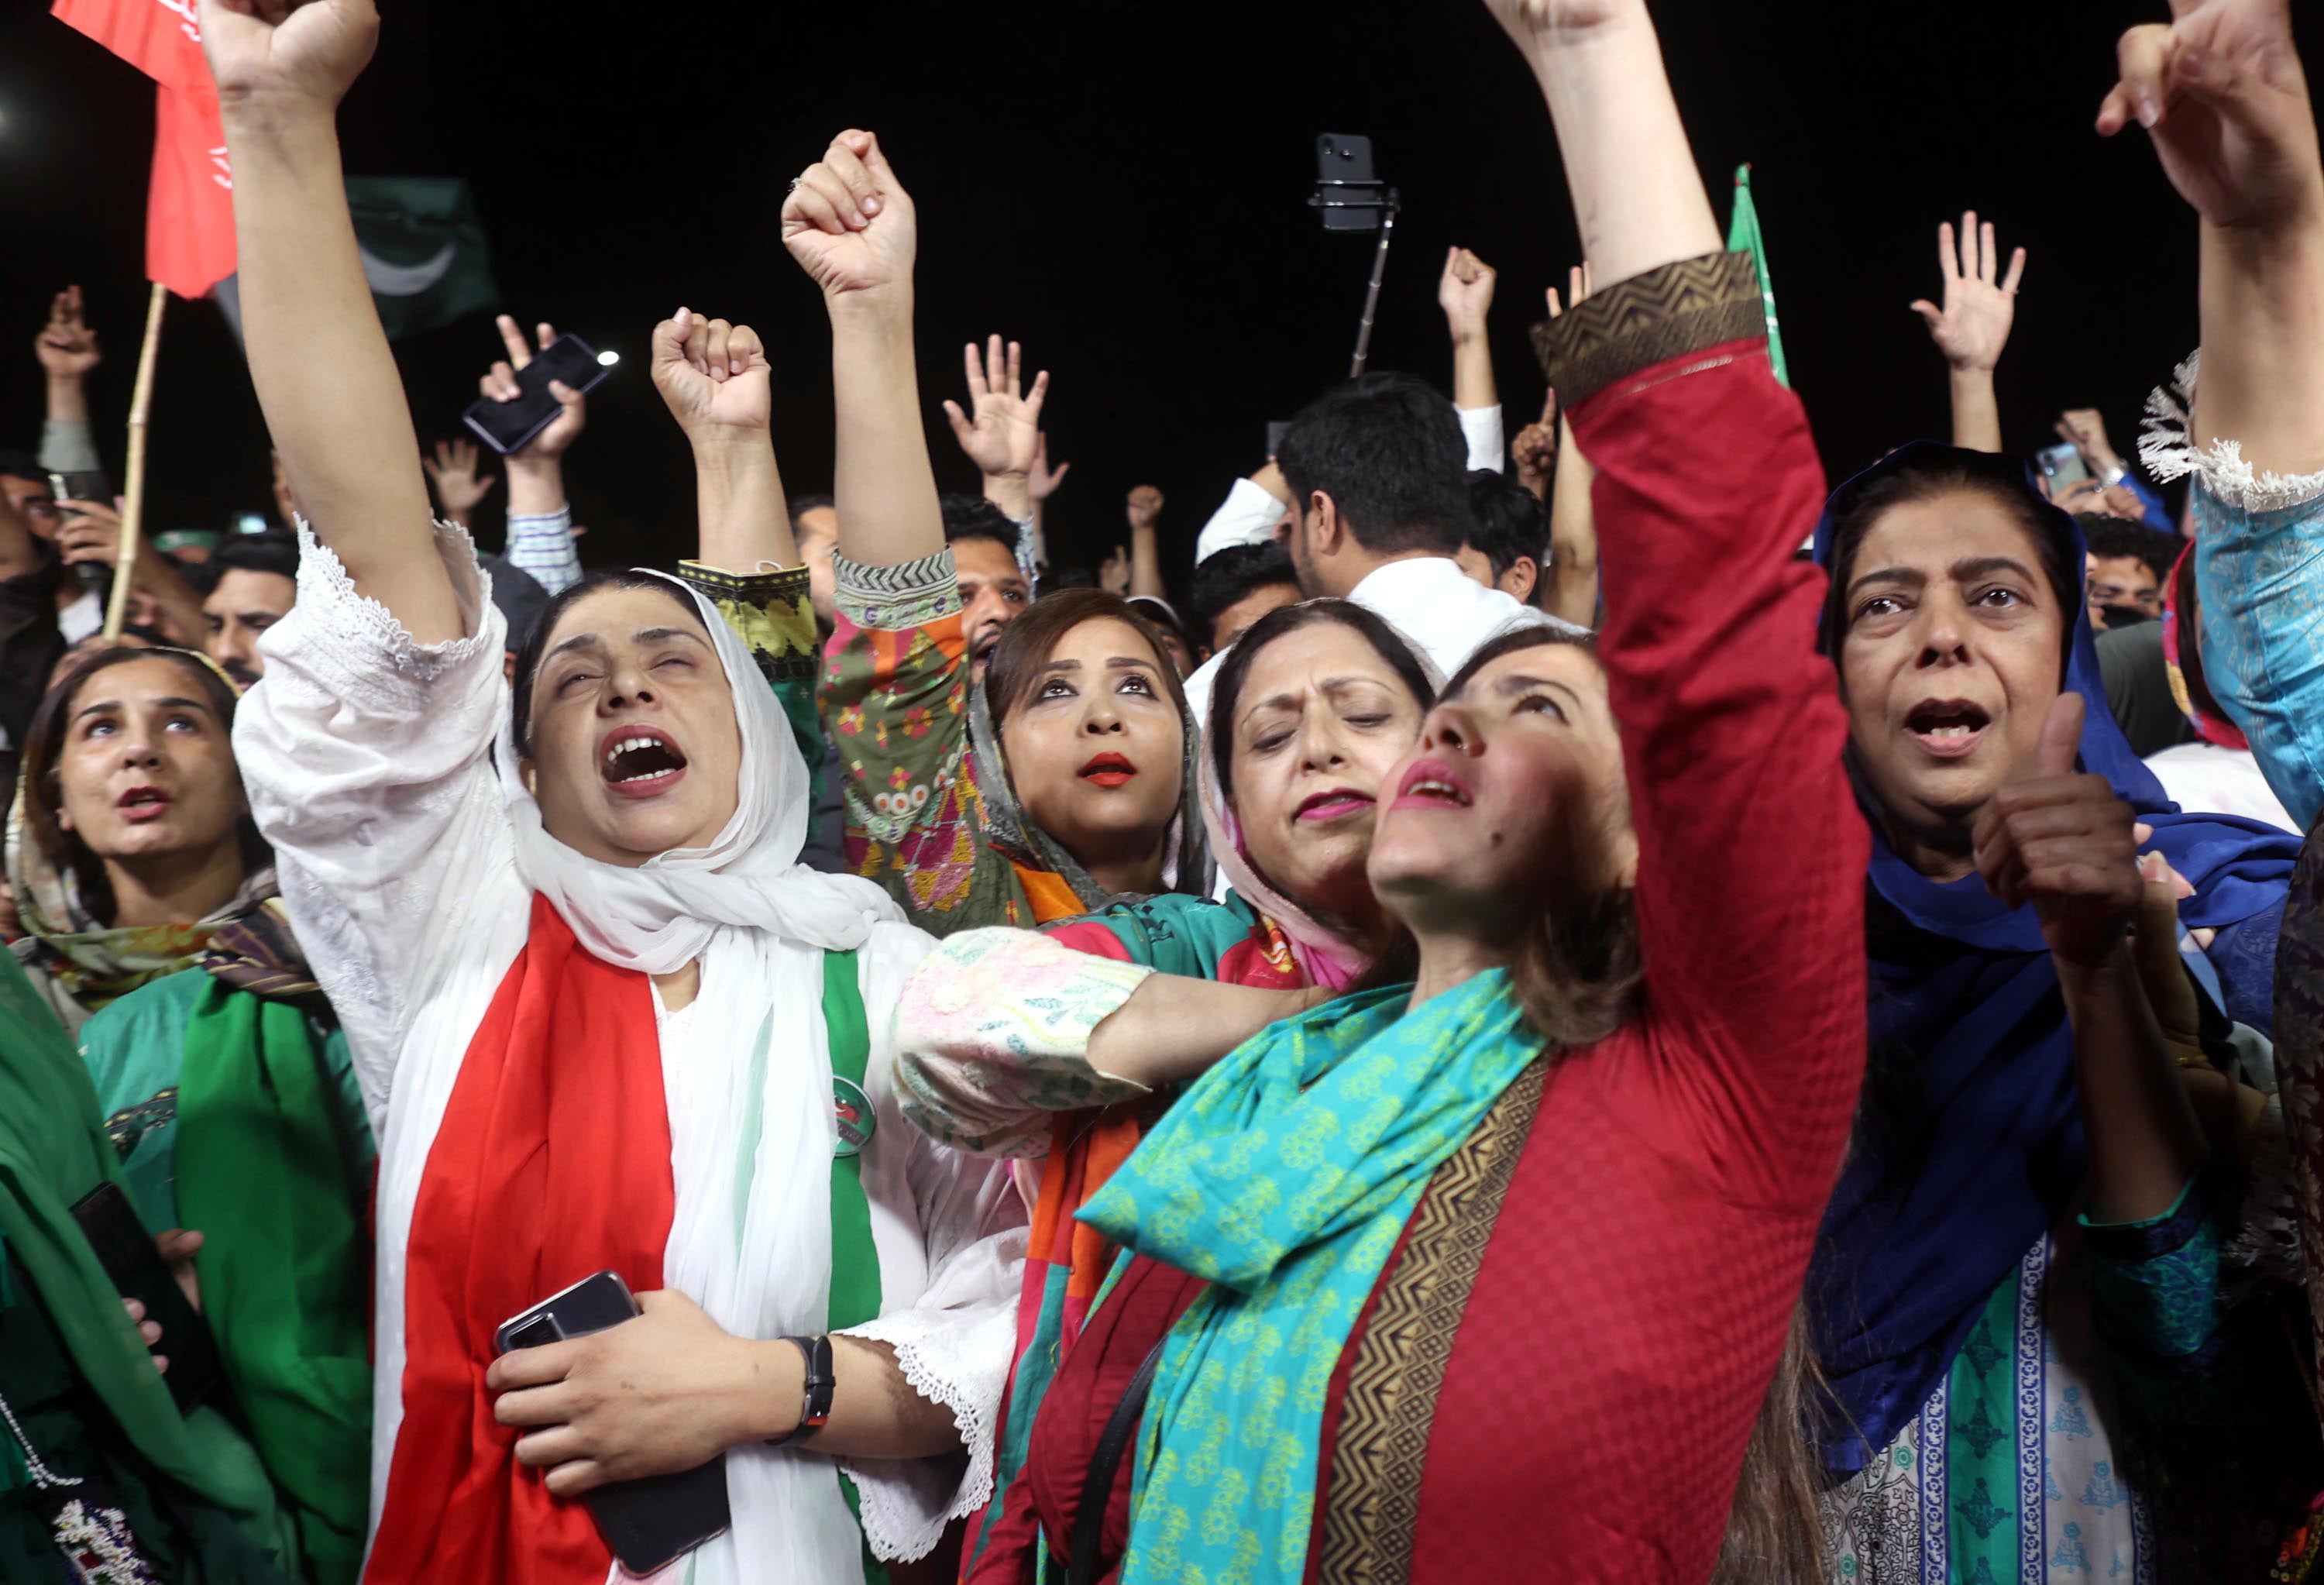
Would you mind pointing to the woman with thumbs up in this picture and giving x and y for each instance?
(2031, 1222)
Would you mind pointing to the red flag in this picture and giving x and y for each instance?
(189, 208)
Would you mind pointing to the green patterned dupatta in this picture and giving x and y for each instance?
(1284, 1178)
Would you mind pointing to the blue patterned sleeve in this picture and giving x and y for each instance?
(2259, 577)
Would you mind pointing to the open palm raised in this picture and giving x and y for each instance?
(287, 51)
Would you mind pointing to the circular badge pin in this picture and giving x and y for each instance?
(853, 1110)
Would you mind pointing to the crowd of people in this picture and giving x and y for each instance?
(1461, 1048)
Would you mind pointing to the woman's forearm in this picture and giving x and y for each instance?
(1977, 411)
(1637, 196)
(746, 518)
(2144, 1142)
(2262, 315)
(325, 380)
(1173, 1028)
(883, 485)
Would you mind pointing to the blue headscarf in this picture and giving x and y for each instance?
(1969, 1144)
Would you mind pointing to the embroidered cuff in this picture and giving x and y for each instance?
(2128, 1242)
(894, 599)
(1649, 320)
(772, 612)
(2166, 444)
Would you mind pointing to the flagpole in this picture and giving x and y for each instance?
(132, 510)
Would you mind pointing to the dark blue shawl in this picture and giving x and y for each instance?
(1969, 1144)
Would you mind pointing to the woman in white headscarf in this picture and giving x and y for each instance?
(601, 1017)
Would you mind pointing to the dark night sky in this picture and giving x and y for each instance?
(1121, 185)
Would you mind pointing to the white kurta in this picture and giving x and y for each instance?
(367, 761)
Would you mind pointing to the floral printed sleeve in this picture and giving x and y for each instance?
(992, 1039)
(895, 699)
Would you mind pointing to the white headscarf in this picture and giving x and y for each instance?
(754, 1057)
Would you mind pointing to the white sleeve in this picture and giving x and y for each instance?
(1487, 441)
(1248, 518)
(367, 757)
(954, 1343)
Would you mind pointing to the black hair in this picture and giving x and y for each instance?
(271, 551)
(1226, 689)
(527, 659)
(800, 505)
(22, 464)
(1164, 619)
(2110, 537)
(1926, 473)
(1388, 449)
(1225, 579)
(971, 517)
(1510, 522)
(1058, 580)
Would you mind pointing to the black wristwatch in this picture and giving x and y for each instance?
(817, 1408)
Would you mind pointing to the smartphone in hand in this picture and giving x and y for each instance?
(131, 1260)
(649, 1523)
(508, 427)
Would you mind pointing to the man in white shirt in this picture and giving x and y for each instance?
(1377, 475)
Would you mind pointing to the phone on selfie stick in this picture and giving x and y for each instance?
(508, 427)
(1350, 197)
(649, 1523)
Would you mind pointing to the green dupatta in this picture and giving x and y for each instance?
(53, 1151)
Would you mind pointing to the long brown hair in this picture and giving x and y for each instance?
(1578, 974)
(43, 777)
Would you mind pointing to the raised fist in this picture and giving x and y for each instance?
(288, 51)
(849, 222)
(714, 376)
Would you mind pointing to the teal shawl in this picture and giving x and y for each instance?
(1285, 1177)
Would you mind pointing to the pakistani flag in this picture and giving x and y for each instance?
(424, 253)
(1744, 233)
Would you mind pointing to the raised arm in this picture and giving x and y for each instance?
(1144, 510)
(720, 388)
(1972, 326)
(325, 380)
(1637, 193)
(1465, 292)
(1000, 432)
(69, 353)
(1731, 723)
(540, 513)
(1572, 592)
(2221, 92)
(851, 226)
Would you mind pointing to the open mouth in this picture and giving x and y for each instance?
(1107, 770)
(1948, 728)
(639, 761)
(1431, 785)
(1338, 804)
(141, 804)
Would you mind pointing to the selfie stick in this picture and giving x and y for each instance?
(1364, 195)
(1371, 293)
(132, 506)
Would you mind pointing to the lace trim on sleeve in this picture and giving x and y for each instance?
(370, 655)
(896, 599)
(960, 1359)
(2166, 445)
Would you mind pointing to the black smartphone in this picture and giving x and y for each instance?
(1343, 159)
(127, 1252)
(508, 427)
(93, 576)
(652, 1523)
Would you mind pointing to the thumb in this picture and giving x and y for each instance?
(962, 428)
(1928, 312)
(668, 342)
(1058, 474)
(2061, 737)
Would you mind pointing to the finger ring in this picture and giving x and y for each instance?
(794, 186)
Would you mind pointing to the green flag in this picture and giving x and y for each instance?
(1742, 232)
(424, 250)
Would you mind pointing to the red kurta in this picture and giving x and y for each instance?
(1588, 1303)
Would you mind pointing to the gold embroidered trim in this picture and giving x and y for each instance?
(1649, 320)
(1374, 1494)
